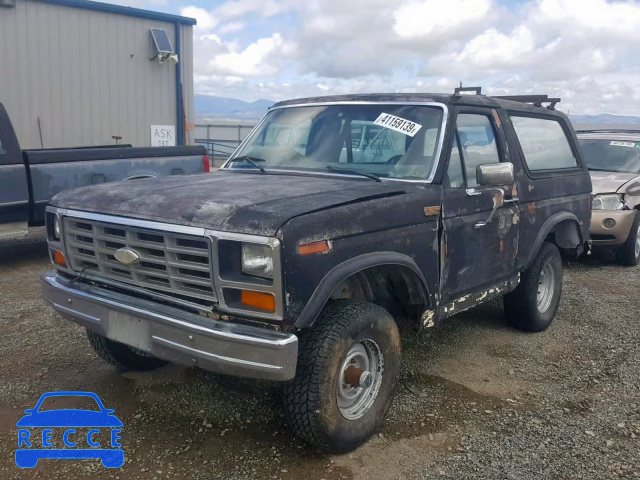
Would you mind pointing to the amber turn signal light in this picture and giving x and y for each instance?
(316, 247)
(58, 258)
(262, 301)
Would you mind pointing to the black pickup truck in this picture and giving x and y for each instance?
(29, 178)
(338, 220)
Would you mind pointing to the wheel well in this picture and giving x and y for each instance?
(396, 288)
(565, 235)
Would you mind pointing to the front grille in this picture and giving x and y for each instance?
(169, 262)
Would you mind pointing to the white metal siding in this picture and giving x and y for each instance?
(87, 76)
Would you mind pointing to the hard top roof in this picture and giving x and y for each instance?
(447, 99)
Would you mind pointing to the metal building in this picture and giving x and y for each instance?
(77, 73)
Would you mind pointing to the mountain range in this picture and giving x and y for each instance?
(231, 109)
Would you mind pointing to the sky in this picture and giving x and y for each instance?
(585, 51)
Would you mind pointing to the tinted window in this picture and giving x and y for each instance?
(611, 155)
(477, 143)
(544, 143)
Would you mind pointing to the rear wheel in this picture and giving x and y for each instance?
(348, 369)
(533, 304)
(629, 253)
(123, 356)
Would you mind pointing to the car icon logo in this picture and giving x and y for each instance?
(127, 256)
(54, 434)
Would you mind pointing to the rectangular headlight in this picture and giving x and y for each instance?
(257, 260)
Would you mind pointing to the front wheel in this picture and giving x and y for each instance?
(123, 356)
(348, 369)
(629, 253)
(533, 304)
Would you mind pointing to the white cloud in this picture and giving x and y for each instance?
(582, 50)
(492, 48)
(206, 20)
(258, 59)
(231, 27)
(428, 17)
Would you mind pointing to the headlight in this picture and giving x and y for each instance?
(257, 260)
(608, 201)
(56, 227)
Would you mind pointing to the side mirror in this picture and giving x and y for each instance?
(495, 174)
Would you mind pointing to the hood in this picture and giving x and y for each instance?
(250, 203)
(609, 182)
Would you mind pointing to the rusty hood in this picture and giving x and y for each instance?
(249, 203)
(610, 182)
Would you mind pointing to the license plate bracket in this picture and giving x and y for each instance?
(127, 329)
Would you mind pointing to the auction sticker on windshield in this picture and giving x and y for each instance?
(623, 144)
(398, 124)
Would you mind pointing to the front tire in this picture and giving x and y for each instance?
(533, 304)
(348, 368)
(122, 356)
(628, 254)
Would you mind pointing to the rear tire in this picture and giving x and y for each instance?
(123, 356)
(628, 254)
(533, 304)
(322, 406)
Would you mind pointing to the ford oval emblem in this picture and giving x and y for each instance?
(127, 256)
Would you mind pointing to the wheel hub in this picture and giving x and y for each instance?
(546, 287)
(360, 379)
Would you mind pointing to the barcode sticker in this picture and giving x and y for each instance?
(623, 144)
(398, 124)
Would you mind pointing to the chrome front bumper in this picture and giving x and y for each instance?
(173, 334)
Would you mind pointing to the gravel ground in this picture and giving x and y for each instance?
(477, 398)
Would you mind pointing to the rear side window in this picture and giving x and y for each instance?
(544, 143)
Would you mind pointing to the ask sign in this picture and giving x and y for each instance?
(163, 136)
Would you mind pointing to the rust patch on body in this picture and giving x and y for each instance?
(496, 117)
(431, 211)
(501, 246)
(532, 208)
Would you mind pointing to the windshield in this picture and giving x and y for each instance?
(611, 156)
(389, 141)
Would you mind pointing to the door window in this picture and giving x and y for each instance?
(476, 146)
(544, 143)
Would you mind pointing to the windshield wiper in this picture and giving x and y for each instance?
(250, 160)
(372, 176)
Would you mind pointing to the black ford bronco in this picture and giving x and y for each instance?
(337, 221)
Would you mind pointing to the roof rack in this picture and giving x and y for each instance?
(536, 100)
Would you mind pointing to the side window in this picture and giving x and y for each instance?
(455, 177)
(2, 150)
(544, 143)
(477, 144)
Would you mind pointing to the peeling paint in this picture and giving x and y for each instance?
(427, 318)
(532, 208)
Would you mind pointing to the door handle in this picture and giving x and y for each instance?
(497, 203)
(511, 200)
(472, 192)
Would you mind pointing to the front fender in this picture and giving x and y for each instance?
(346, 269)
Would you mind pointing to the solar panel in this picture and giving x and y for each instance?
(161, 40)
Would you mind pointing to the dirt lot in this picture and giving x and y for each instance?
(477, 398)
